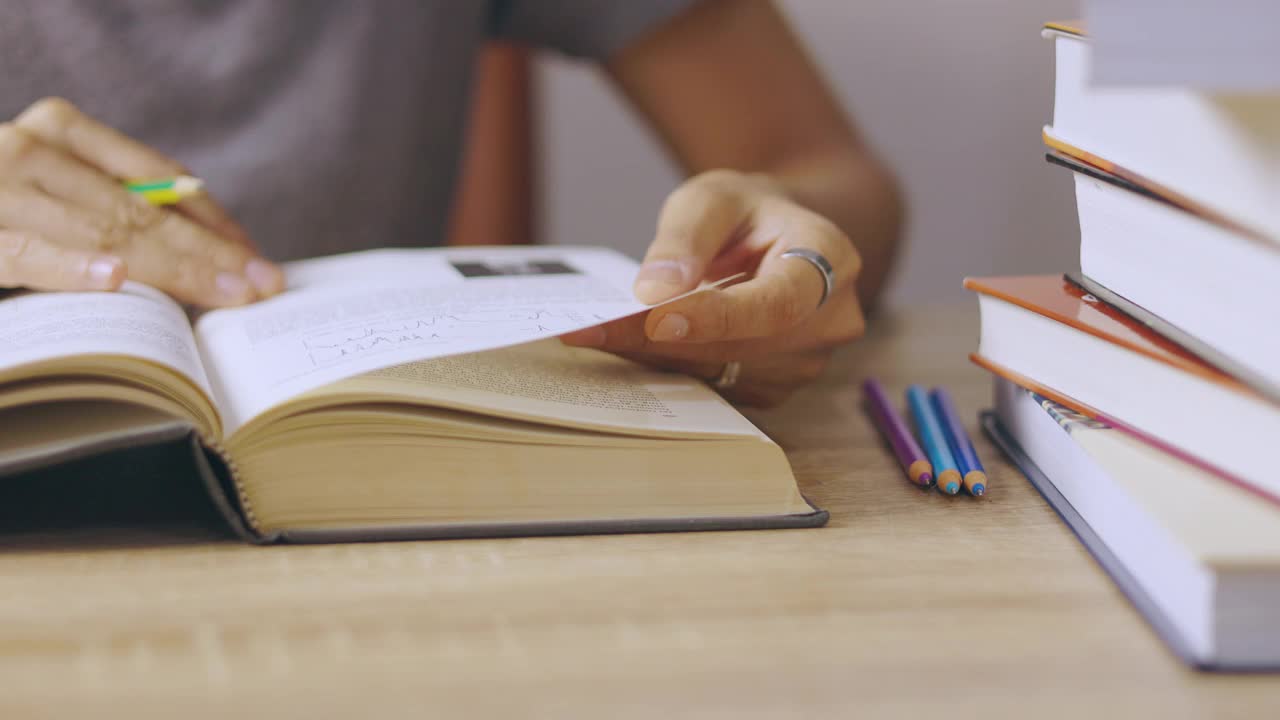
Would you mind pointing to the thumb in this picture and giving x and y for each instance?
(699, 219)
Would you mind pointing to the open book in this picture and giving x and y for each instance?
(396, 393)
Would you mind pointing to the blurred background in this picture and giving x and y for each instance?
(952, 94)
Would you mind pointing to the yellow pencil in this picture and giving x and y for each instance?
(166, 191)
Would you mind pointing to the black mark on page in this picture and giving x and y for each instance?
(507, 268)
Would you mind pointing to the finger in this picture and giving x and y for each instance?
(763, 382)
(627, 337)
(59, 123)
(28, 158)
(190, 278)
(701, 369)
(697, 221)
(784, 294)
(206, 269)
(29, 260)
(26, 208)
(208, 272)
(839, 322)
(117, 216)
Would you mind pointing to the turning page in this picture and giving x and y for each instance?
(349, 315)
(136, 321)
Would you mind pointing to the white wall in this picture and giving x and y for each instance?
(952, 93)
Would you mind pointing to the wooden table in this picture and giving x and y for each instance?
(907, 605)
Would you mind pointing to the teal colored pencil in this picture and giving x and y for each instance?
(934, 440)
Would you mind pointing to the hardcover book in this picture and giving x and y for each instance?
(1180, 273)
(1050, 336)
(1217, 153)
(1199, 558)
(395, 394)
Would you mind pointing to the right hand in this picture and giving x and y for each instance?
(67, 222)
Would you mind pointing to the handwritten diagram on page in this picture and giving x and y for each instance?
(464, 301)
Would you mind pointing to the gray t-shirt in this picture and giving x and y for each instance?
(325, 126)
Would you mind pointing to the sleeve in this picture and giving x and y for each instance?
(590, 29)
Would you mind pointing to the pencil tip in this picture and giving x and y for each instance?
(953, 488)
(979, 489)
(926, 479)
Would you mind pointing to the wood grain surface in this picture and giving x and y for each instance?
(908, 604)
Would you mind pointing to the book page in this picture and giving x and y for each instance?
(349, 315)
(136, 321)
(549, 382)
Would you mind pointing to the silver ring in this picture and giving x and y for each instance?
(728, 377)
(820, 263)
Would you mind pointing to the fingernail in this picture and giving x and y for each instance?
(232, 286)
(659, 280)
(266, 277)
(104, 272)
(670, 328)
(587, 337)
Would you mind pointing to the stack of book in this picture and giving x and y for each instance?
(1142, 395)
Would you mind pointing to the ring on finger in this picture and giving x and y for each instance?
(728, 377)
(821, 264)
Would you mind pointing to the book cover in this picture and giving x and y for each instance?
(1124, 579)
(1058, 299)
(1066, 27)
(1140, 183)
(1180, 337)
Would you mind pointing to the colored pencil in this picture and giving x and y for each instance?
(166, 191)
(895, 430)
(934, 441)
(975, 477)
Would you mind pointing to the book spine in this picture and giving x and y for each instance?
(221, 477)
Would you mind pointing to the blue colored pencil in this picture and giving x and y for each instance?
(934, 441)
(975, 477)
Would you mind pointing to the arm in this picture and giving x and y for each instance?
(727, 85)
(776, 166)
(495, 199)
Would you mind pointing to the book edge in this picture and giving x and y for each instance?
(436, 531)
(1181, 359)
(1028, 384)
(1098, 550)
(1149, 186)
(1074, 28)
(1178, 336)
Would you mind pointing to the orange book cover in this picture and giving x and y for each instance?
(1053, 297)
(1057, 299)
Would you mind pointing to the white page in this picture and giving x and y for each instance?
(137, 321)
(349, 315)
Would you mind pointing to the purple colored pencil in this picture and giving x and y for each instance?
(894, 428)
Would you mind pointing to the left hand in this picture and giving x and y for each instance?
(718, 224)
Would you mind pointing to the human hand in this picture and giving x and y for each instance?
(718, 224)
(66, 222)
